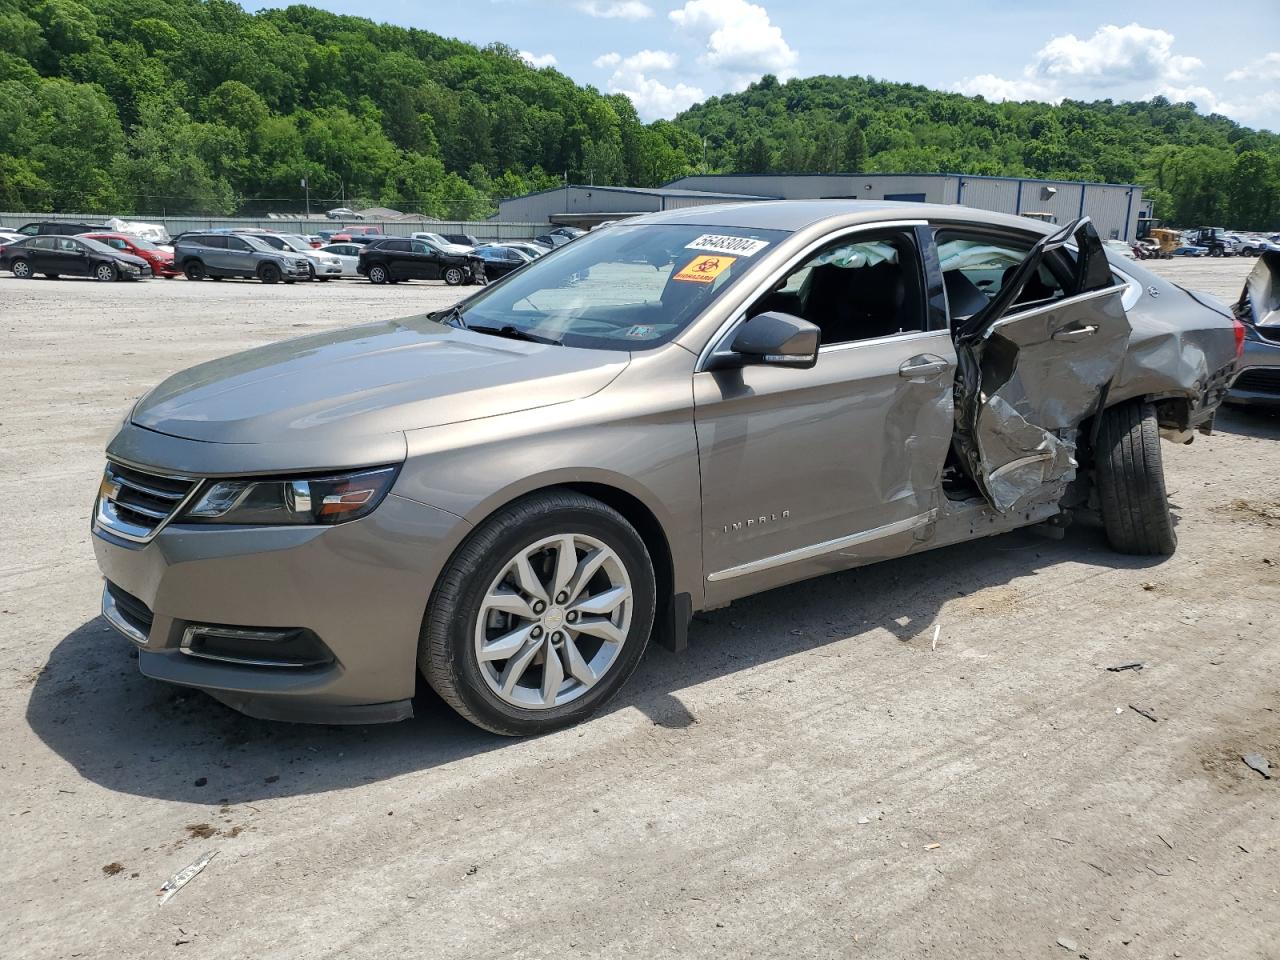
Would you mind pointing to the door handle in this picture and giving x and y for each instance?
(1072, 334)
(922, 368)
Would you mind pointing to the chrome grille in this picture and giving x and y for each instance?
(135, 504)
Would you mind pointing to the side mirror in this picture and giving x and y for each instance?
(776, 340)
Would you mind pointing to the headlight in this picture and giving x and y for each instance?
(310, 500)
(132, 267)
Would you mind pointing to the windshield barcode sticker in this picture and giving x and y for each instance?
(740, 246)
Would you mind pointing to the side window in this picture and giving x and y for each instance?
(117, 243)
(237, 244)
(41, 243)
(215, 241)
(69, 246)
(420, 247)
(395, 246)
(864, 286)
(975, 268)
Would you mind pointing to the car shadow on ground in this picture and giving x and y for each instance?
(1249, 421)
(139, 736)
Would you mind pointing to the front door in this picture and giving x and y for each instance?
(805, 471)
(240, 256)
(72, 259)
(426, 262)
(1035, 362)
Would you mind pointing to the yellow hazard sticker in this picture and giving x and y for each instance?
(705, 269)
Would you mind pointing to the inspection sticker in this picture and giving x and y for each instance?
(741, 246)
(704, 269)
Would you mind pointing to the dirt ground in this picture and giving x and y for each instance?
(811, 779)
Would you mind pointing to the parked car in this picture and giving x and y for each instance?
(60, 228)
(58, 256)
(569, 233)
(551, 240)
(392, 259)
(1217, 241)
(515, 493)
(218, 255)
(321, 266)
(1256, 246)
(462, 239)
(441, 244)
(1258, 381)
(362, 231)
(1190, 250)
(500, 261)
(348, 255)
(344, 237)
(534, 250)
(343, 213)
(160, 261)
(8, 236)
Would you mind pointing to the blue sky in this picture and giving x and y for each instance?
(665, 55)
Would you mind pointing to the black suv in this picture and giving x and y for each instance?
(61, 228)
(218, 255)
(392, 259)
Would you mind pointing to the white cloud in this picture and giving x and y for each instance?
(1115, 55)
(999, 88)
(617, 10)
(739, 38)
(1264, 68)
(538, 60)
(652, 97)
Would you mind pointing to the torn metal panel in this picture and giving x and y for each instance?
(1259, 304)
(1039, 375)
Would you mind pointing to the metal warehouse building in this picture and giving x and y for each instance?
(1114, 207)
(580, 206)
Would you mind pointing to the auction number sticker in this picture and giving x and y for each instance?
(738, 246)
(704, 269)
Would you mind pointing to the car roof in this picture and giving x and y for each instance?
(797, 214)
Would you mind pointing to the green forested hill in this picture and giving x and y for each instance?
(1198, 169)
(195, 105)
(151, 106)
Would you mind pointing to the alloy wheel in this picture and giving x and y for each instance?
(105, 272)
(553, 622)
(21, 269)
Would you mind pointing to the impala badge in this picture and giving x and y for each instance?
(760, 521)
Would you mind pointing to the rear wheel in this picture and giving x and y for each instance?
(1130, 479)
(540, 616)
(378, 274)
(193, 270)
(104, 273)
(269, 273)
(21, 269)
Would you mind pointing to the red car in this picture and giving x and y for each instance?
(161, 261)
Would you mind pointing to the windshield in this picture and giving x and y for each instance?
(296, 243)
(256, 243)
(627, 288)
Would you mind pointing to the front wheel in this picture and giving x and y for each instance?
(1130, 478)
(269, 273)
(541, 615)
(104, 273)
(21, 269)
(454, 276)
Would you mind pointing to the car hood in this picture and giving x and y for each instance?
(376, 379)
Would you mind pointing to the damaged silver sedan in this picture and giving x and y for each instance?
(512, 496)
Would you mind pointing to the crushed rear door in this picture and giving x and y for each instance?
(1030, 374)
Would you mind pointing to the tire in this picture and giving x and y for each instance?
(194, 270)
(269, 273)
(105, 273)
(21, 269)
(454, 631)
(1130, 478)
(311, 271)
(454, 276)
(378, 274)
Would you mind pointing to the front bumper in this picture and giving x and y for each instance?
(1258, 379)
(360, 587)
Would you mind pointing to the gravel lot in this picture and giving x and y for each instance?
(810, 780)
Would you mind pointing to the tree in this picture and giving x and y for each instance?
(855, 149)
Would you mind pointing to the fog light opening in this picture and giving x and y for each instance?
(289, 647)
